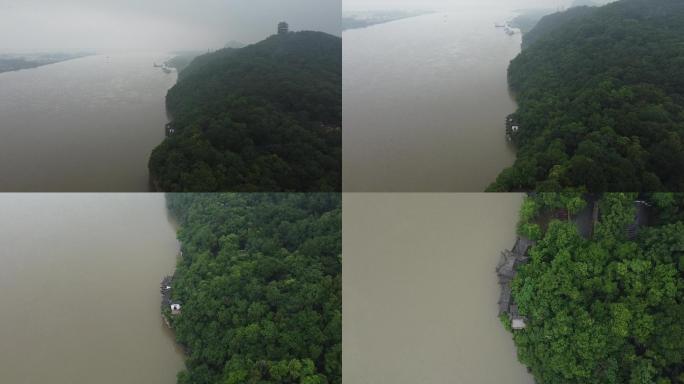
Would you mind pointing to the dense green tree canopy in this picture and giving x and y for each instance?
(266, 117)
(601, 100)
(260, 285)
(605, 309)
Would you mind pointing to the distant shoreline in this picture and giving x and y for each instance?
(360, 21)
(13, 63)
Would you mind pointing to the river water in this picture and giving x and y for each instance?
(79, 284)
(420, 289)
(87, 124)
(425, 102)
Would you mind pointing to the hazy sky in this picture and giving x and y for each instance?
(356, 5)
(118, 25)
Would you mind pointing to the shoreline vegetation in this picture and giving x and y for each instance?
(600, 94)
(18, 62)
(527, 19)
(258, 286)
(359, 20)
(181, 60)
(266, 117)
(601, 290)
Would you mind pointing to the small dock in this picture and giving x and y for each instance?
(165, 290)
(512, 127)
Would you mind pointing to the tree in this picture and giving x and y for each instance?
(606, 309)
(260, 282)
(264, 118)
(600, 106)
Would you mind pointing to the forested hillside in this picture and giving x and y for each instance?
(551, 21)
(260, 285)
(607, 308)
(266, 117)
(601, 100)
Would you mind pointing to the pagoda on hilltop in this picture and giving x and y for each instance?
(283, 28)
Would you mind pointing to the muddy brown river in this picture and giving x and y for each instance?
(420, 289)
(425, 102)
(79, 284)
(83, 125)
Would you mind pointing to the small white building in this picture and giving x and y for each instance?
(175, 309)
(518, 323)
(515, 128)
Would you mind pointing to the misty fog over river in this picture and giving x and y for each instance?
(87, 124)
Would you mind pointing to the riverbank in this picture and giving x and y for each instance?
(537, 212)
(600, 295)
(506, 271)
(165, 289)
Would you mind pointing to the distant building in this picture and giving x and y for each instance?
(283, 28)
